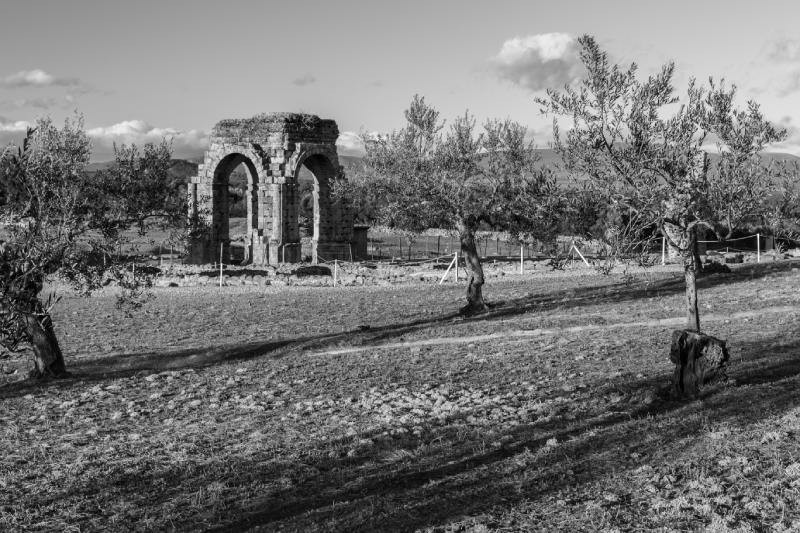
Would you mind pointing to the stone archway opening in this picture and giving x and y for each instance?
(314, 178)
(234, 207)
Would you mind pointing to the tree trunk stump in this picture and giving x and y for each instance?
(699, 360)
(47, 357)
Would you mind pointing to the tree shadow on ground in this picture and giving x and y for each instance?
(451, 482)
(445, 481)
(575, 298)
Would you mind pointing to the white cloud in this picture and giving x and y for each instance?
(783, 51)
(790, 83)
(350, 143)
(538, 62)
(792, 143)
(305, 79)
(185, 144)
(12, 131)
(37, 78)
(14, 126)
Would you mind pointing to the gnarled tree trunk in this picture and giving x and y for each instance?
(472, 261)
(699, 359)
(47, 357)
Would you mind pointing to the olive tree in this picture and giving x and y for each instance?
(58, 220)
(645, 150)
(462, 180)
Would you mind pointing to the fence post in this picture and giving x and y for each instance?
(521, 258)
(438, 242)
(447, 272)
(220, 264)
(335, 270)
(580, 254)
(663, 251)
(758, 247)
(456, 266)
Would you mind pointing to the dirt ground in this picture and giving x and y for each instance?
(365, 408)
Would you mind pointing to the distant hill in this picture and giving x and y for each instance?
(180, 169)
(183, 169)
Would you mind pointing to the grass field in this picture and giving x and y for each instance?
(379, 409)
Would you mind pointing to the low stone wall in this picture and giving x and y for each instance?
(347, 274)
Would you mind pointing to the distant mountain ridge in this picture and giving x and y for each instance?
(181, 169)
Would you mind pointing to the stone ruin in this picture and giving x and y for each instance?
(273, 147)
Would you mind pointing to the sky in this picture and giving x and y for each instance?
(141, 70)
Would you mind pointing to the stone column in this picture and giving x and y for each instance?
(276, 238)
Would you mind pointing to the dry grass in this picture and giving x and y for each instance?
(228, 409)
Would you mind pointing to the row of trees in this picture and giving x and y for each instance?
(639, 152)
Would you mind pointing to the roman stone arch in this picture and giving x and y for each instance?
(273, 147)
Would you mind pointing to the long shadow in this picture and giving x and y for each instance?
(445, 494)
(580, 297)
(125, 365)
(452, 481)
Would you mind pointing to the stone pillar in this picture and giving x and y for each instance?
(276, 249)
(261, 232)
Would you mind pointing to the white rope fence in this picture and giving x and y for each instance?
(727, 248)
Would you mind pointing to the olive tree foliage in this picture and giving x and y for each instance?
(457, 178)
(741, 181)
(784, 217)
(58, 220)
(644, 151)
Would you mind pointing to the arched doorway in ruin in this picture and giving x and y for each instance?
(234, 197)
(314, 176)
